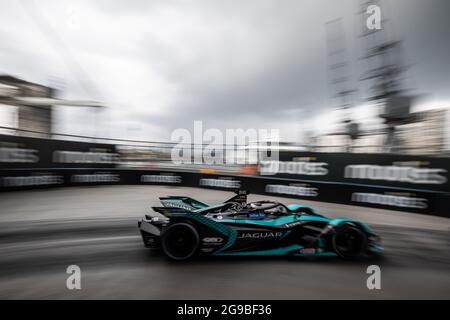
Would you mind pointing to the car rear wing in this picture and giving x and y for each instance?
(168, 211)
(182, 203)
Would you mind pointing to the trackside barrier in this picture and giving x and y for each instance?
(408, 183)
(385, 197)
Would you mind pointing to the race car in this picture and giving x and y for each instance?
(184, 228)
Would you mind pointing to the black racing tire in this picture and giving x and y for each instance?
(180, 241)
(349, 242)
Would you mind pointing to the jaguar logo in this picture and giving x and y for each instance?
(260, 235)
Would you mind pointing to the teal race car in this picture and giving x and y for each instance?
(184, 228)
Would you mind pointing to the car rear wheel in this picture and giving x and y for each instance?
(349, 242)
(180, 241)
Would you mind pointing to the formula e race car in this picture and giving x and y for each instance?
(185, 227)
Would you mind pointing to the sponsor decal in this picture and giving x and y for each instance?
(95, 178)
(260, 235)
(296, 190)
(220, 183)
(241, 198)
(36, 180)
(146, 178)
(178, 204)
(213, 240)
(19, 155)
(402, 201)
(292, 224)
(60, 156)
(396, 173)
(257, 215)
(293, 167)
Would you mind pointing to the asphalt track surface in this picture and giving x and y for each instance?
(44, 231)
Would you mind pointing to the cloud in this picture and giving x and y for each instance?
(161, 65)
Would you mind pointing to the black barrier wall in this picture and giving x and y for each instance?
(408, 183)
(423, 202)
(24, 152)
(391, 170)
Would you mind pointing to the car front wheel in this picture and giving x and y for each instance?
(349, 242)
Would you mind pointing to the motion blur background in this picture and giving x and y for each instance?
(91, 91)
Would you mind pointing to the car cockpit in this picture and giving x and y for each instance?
(253, 210)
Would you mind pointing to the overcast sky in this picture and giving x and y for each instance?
(160, 65)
